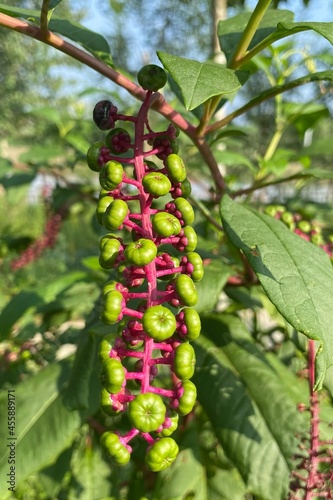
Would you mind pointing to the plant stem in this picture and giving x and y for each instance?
(249, 33)
(44, 18)
(314, 434)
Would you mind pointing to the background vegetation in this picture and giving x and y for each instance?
(243, 438)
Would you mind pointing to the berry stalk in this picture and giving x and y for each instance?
(157, 331)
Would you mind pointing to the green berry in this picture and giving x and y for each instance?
(110, 253)
(156, 184)
(176, 168)
(147, 412)
(184, 361)
(159, 323)
(161, 454)
(112, 375)
(196, 261)
(188, 398)
(102, 206)
(111, 307)
(192, 238)
(111, 175)
(185, 209)
(186, 188)
(105, 347)
(165, 224)
(186, 290)
(141, 252)
(115, 215)
(106, 404)
(192, 322)
(305, 226)
(118, 453)
(167, 431)
(152, 77)
(93, 155)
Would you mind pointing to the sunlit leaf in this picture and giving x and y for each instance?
(296, 275)
(197, 81)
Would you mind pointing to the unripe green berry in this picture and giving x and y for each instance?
(305, 226)
(152, 77)
(161, 454)
(156, 183)
(185, 209)
(102, 207)
(105, 347)
(106, 405)
(141, 252)
(167, 431)
(147, 412)
(109, 254)
(109, 286)
(288, 218)
(165, 224)
(188, 398)
(186, 188)
(192, 238)
(186, 290)
(107, 237)
(115, 215)
(93, 155)
(118, 453)
(111, 175)
(112, 375)
(196, 261)
(192, 322)
(159, 323)
(184, 361)
(111, 307)
(176, 168)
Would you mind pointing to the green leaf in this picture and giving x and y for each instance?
(54, 3)
(197, 81)
(44, 426)
(275, 25)
(288, 28)
(91, 41)
(16, 180)
(211, 285)
(26, 300)
(255, 419)
(231, 30)
(41, 154)
(304, 115)
(319, 147)
(234, 159)
(91, 473)
(296, 275)
(76, 396)
(52, 477)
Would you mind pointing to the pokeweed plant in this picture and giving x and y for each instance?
(150, 333)
(242, 439)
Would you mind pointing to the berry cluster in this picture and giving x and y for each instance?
(47, 240)
(303, 227)
(156, 271)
